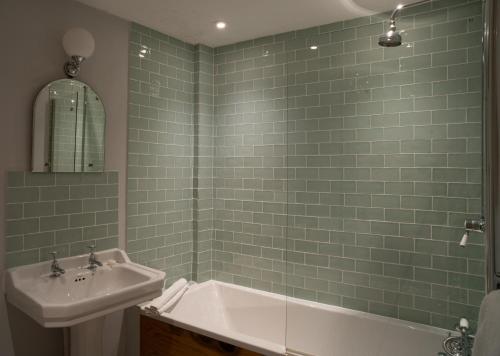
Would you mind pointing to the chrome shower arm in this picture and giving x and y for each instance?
(392, 38)
(394, 14)
(400, 7)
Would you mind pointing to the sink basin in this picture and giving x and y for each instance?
(80, 295)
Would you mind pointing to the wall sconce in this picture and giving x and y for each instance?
(79, 45)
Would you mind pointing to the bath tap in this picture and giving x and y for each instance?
(93, 262)
(55, 269)
(459, 345)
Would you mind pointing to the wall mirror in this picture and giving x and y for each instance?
(68, 128)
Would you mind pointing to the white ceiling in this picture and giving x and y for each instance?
(194, 21)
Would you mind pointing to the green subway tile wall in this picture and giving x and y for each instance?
(354, 163)
(250, 202)
(160, 152)
(341, 174)
(203, 182)
(63, 212)
(169, 191)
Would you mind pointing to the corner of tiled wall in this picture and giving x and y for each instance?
(203, 162)
(160, 152)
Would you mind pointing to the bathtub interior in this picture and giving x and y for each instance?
(246, 311)
(233, 314)
(323, 330)
(211, 311)
(270, 323)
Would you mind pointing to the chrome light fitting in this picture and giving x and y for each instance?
(72, 66)
(79, 45)
(392, 38)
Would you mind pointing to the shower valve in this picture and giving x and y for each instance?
(472, 225)
(475, 225)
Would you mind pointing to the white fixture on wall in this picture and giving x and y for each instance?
(79, 45)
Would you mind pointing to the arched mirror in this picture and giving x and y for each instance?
(68, 128)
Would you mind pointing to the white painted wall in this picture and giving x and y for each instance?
(31, 56)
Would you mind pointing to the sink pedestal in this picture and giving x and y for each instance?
(86, 338)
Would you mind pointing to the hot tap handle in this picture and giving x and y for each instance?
(463, 241)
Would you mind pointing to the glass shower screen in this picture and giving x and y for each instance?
(383, 167)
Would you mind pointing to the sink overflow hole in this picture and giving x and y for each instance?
(79, 279)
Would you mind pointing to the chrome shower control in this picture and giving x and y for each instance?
(472, 226)
(475, 225)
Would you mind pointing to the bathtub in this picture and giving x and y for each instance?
(271, 324)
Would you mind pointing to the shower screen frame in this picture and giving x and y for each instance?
(491, 149)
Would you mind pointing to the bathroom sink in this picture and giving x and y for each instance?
(79, 294)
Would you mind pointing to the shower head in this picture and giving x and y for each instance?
(392, 38)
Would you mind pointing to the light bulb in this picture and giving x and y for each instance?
(78, 42)
(220, 25)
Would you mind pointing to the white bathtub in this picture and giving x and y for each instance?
(272, 324)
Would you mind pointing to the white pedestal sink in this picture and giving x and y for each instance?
(86, 338)
(80, 298)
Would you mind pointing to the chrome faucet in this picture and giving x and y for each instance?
(459, 345)
(93, 262)
(55, 269)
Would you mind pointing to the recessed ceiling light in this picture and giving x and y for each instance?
(220, 25)
(313, 47)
